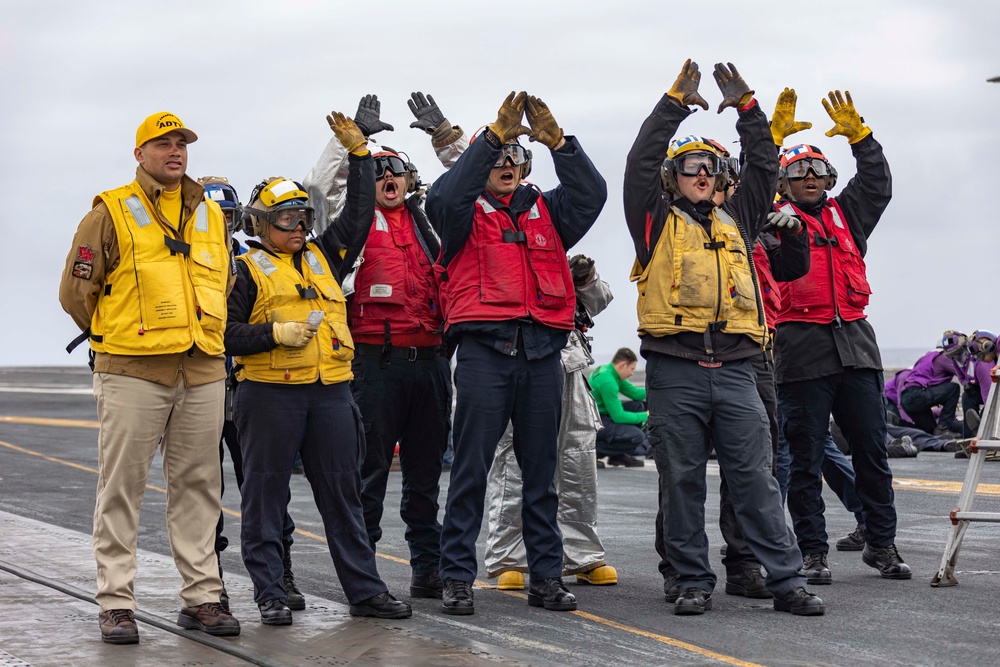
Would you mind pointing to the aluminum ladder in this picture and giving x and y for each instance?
(987, 446)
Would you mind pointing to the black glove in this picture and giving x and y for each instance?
(735, 91)
(582, 269)
(367, 118)
(429, 116)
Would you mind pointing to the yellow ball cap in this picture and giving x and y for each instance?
(159, 124)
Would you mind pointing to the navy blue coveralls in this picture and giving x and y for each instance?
(700, 396)
(836, 367)
(321, 422)
(508, 371)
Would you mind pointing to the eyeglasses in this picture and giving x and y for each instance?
(691, 164)
(393, 163)
(801, 168)
(517, 154)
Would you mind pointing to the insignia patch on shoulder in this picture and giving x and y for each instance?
(83, 270)
(85, 255)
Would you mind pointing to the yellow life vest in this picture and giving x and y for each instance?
(162, 299)
(285, 295)
(693, 281)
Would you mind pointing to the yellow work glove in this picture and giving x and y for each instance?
(685, 88)
(348, 133)
(735, 91)
(847, 121)
(292, 334)
(783, 123)
(508, 125)
(544, 127)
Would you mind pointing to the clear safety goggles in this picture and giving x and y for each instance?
(393, 163)
(801, 168)
(516, 153)
(233, 217)
(287, 219)
(691, 164)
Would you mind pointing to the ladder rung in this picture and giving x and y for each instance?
(990, 517)
(988, 445)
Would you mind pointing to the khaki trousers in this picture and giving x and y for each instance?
(185, 423)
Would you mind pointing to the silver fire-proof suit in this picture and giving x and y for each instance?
(576, 471)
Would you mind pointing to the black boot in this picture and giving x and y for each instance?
(382, 605)
(815, 569)
(275, 612)
(456, 598)
(692, 601)
(294, 598)
(425, 585)
(551, 594)
(748, 582)
(887, 561)
(800, 602)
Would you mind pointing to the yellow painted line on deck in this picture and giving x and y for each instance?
(41, 421)
(663, 639)
(936, 486)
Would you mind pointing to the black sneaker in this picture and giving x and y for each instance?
(293, 597)
(854, 541)
(670, 590)
(800, 602)
(456, 598)
(692, 601)
(275, 612)
(625, 460)
(426, 585)
(815, 569)
(551, 594)
(887, 561)
(749, 582)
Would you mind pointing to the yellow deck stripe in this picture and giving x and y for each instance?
(591, 617)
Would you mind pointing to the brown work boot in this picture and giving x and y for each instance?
(211, 618)
(118, 626)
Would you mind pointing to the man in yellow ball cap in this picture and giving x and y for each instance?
(146, 281)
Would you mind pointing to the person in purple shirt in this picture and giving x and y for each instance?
(983, 348)
(929, 384)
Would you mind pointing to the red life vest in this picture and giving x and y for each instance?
(395, 284)
(505, 272)
(769, 291)
(836, 285)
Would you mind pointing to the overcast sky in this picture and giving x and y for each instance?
(256, 79)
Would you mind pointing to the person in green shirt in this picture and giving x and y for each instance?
(624, 432)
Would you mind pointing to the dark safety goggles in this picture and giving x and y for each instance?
(691, 164)
(517, 154)
(801, 168)
(393, 163)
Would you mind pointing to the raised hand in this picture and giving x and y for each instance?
(544, 127)
(429, 116)
(367, 117)
(347, 131)
(508, 125)
(685, 88)
(783, 123)
(735, 91)
(845, 117)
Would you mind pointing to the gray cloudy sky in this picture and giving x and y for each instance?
(255, 80)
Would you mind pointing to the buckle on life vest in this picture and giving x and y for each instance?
(510, 236)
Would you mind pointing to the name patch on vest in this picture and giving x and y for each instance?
(265, 264)
(313, 263)
(380, 291)
(138, 211)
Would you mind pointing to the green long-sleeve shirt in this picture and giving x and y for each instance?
(606, 388)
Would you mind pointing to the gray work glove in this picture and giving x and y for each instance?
(367, 117)
(782, 222)
(429, 116)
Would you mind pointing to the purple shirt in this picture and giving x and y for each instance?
(981, 373)
(892, 391)
(932, 369)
